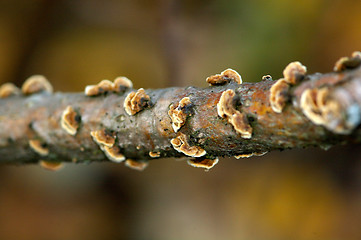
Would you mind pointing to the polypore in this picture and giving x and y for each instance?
(180, 143)
(180, 113)
(70, 120)
(203, 163)
(279, 95)
(39, 147)
(36, 83)
(154, 154)
(120, 84)
(136, 102)
(51, 166)
(8, 89)
(239, 120)
(136, 165)
(103, 137)
(294, 73)
(113, 153)
(225, 77)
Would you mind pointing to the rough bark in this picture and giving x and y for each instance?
(38, 116)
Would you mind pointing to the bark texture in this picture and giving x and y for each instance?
(38, 117)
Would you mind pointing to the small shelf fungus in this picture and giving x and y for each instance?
(248, 155)
(348, 62)
(136, 165)
(103, 137)
(154, 154)
(225, 77)
(8, 89)
(294, 73)
(136, 102)
(180, 143)
(38, 147)
(119, 85)
(102, 87)
(35, 84)
(113, 153)
(203, 163)
(239, 120)
(70, 120)
(324, 108)
(267, 78)
(179, 114)
(279, 95)
(51, 166)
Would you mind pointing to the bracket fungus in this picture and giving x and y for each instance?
(248, 155)
(136, 165)
(8, 89)
(239, 120)
(103, 137)
(294, 73)
(35, 84)
(70, 120)
(324, 108)
(180, 143)
(102, 87)
(121, 84)
(180, 113)
(51, 166)
(348, 62)
(39, 147)
(154, 154)
(203, 163)
(225, 77)
(266, 77)
(113, 153)
(279, 95)
(136, 102)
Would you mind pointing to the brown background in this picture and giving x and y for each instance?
(299, 194)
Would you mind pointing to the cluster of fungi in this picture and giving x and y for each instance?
(318, 104)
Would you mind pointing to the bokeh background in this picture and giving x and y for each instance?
(299, 194)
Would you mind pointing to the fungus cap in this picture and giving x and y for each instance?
(348, 62)
(38, 147)
(294, 72)
(310, 106)
(279, 95)
(179, 114)
(240, 123)
(225, 77)
(70, 120)
(36, 83)
(122, 83)
(266, 77)
(51, 166)
(8, 89)
(180, 143)
(136, 165)
(102, 137)
(113, 154)
(225, 106)
(239, 120)
(203, 163)
(248, 155)
(154, 154)
(136, 102)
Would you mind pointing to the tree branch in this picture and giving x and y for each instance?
(313, 110)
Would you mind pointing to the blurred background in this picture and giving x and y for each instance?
(298, 194)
